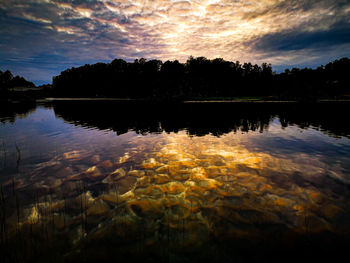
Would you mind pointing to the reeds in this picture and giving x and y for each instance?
(18, 151)
(2, 216)
(4, 153)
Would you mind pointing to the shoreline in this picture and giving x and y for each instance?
(189, 101)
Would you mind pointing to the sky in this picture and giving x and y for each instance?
(41, 38)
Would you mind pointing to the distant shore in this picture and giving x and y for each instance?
(238, 100)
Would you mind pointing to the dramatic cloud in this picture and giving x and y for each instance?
(39, 38)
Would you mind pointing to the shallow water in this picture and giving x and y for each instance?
(173, 183)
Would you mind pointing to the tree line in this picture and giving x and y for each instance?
(201, 78)
(18, 88)
(197, 78)
(9, 82)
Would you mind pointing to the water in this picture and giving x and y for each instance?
(93, 180)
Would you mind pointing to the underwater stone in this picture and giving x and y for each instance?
(316, 198)
(124, 158)
(93, 172)
(118, 174)
(34, 216)
(56, 183)
(163, 169)
(331, 211)
(107, 164)
(136, 173)
(126, 196)
(209, 184)
(150, 163)
(73, 155)
(181, 176)
(95, 159)
(58, 221)
(65, 172)
(161, 179)
(226, 178)
(143, 181)
(125, 184)
(111, 197)
(155, 193)
(98, 208)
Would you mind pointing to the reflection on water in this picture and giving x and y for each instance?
(94, 181)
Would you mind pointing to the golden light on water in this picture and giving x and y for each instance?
(184, 192)
(190, 183)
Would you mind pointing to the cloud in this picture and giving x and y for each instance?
(297, 40)
(277, 31)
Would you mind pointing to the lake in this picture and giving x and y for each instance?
(174, 182)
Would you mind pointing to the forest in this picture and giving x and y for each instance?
(201, 78)
(8, 81)
(196, 79)
(17, 88)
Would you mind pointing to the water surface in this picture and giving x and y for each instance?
(93, 181)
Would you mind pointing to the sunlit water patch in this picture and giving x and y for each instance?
(168, 196)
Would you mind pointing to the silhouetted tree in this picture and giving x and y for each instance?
(201, 78)
(8, 82)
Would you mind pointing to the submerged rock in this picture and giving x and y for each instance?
(173, 188)
(95, 159)
(117, 174)
(160, 179)
(107, 164)
(136, 173)
(73, 155)
(54, 183)
(125, 184)
(124, 158)
(98, 208)
(150, 163)
(331, 211)
(163, 169)
(93, 173)
(34, 216)
(51, 164)
(65, 172)
(58, 221)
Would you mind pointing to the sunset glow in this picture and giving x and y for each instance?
(60, 34)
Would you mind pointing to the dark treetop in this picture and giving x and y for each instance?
(197, 79)
(201, 78)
